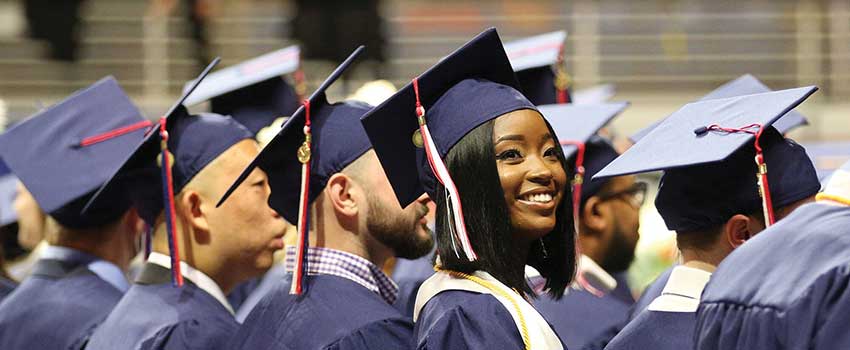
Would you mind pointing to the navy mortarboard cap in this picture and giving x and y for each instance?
(702, 146)
(469, 87)
(8, 192)
(180, 147)
(576, 127)
(828, 156)
(66, 152)
(318, 141)
(743, 85)
(254, 91)
(539, 65)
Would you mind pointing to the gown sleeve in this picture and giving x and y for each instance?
(480, 323)
(191, 335)
(383, 334)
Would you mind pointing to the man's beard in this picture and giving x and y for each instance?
(621, 251)
(398, 229)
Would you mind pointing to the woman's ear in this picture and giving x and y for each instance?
(738, 229)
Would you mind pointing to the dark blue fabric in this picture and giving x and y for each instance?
(652, 291)
(705, 196)
(457, 319)
(160, 316)
(6, 287)
(337, 314)
(787, 288)
(598, 153)
(258, 105)
(277, 275)
(538, 85)
(46, 153)
(581, 317)
(657, 331)
(409, 276)
(242, 292)
(55, 311)
(472, 85)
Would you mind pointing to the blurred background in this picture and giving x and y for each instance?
(658, 54)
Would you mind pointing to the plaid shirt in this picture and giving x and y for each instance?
(325, 261)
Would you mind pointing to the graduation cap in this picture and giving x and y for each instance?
(701, 148)
(8, 192)
(743, 85)
(469, 87)
(319, 140)
(253, 92)
(64, 153)
(576, 127)
(539, 65)
(155, 169)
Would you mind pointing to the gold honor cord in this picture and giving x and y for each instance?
(493, 288)
(831, 197)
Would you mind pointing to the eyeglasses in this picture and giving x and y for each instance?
(634, 195)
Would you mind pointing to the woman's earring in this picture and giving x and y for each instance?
(543, 246)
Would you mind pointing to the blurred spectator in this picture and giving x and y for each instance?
(57, 22)
(198, 14)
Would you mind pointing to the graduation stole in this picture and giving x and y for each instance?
(761, 164)
(168, 198)
(304, 156)
(441, 172)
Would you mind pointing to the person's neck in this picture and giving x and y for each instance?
(334, 236)
(108, 245)
(700, 260)
(590, 248)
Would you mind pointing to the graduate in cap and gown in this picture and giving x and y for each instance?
(539, 65)
(607, 217)
(255, 93)
(63, 155)
(197, 252)
(465, 135)
(786, 288)
(744, 85)
(728, 174)
(324, 176)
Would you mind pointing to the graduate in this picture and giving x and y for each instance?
(63, 155)
(255, 93)
(465, 135)
(539, 65)
(324, 176)
(786, 288)
(607, 214)
(8, 216)
(197, 252)
(744, 85)
(728, 174)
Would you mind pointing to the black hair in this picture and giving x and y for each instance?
(472, 164)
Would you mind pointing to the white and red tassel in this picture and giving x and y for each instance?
(304, 156)
(438, 167)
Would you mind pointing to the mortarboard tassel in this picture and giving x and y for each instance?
(578, 180)
(148, 237)
(442, 174)
(761, 164)
(91, 140)
(304, 155)
(168, 197)
(562, 79)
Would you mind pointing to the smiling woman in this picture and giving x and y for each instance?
(496, 172)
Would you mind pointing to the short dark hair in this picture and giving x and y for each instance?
(472, 164)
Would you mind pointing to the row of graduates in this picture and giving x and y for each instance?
(357, 180)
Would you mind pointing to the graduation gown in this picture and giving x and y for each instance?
(580, 317)
(454, 313)
(6, 287)
(409, 275)
(275, 276)
(57, 307)
(787, 288)
(156, 315)
(332, 313)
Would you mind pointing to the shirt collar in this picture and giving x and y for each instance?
(683, 290)
(103, 269)
(196, 276)
(596, 274)
(326, 261)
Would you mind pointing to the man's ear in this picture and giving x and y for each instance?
(191, 212)
(339, 191)
(738, 229)
(133, 223)
(593, 215)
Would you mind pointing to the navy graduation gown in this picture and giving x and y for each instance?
(409, 276)
(156, 315)
(581, 317)
(57, 307)
(6, 287)
(457, 319)
(652, 291)
(332, 313)
(787, 288)
(656, 330)
(273, 277)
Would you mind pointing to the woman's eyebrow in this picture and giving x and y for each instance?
(511, 137)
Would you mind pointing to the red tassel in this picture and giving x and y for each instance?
(171, 219)
(88, 141)
(578, 180)
(304, 156)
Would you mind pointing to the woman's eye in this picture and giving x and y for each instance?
(509, 154)
(551, 152)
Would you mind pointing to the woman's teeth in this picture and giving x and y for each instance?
(538, 198)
